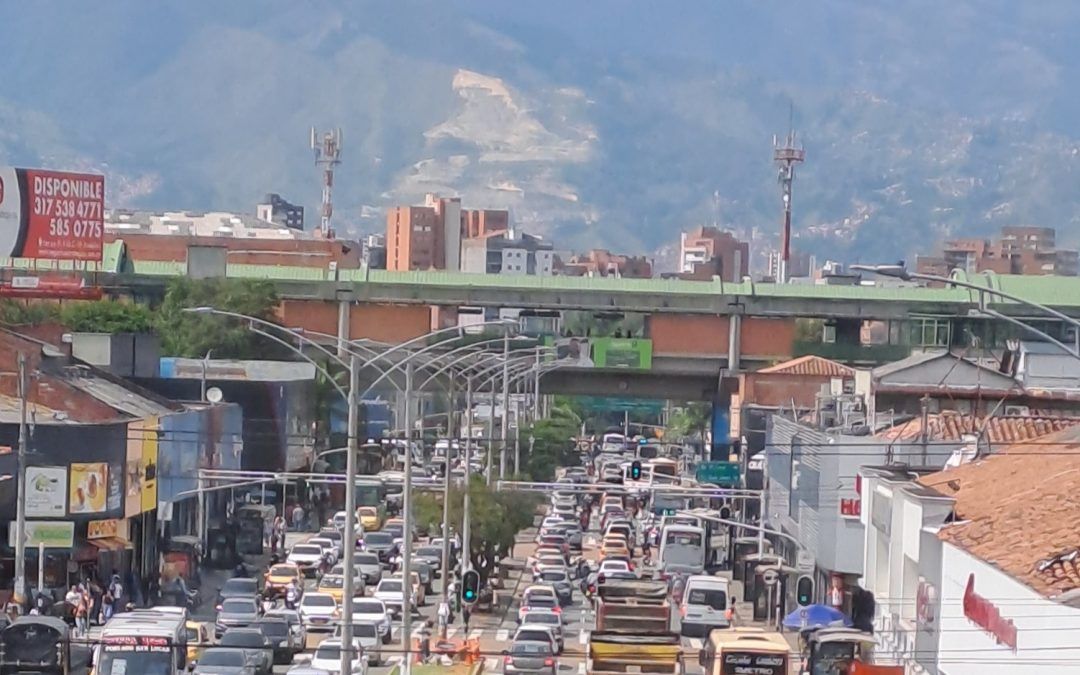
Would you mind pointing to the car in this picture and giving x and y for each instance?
(307, 557)
(198, 637)
(537, 633)
(318, 611)
(558, 579)
(548, 551)
(369, 518)
(530, 658)
(427, 576)
(614, 545)
(336, 538)
(613, 568)
(550, 619)
(367, 633)
(564, 510)
(280, 637)
(254, 645)
(373, 611)
(292, 617)
(703, 605)
(548, 561)
(382, 544)
(621, 528)
(331, 551)
(238, 587)
(556, 540)
(432, 555)
(279, 577)
(306, 669)
(235, 613)
(418, 594)
(334, 586)
(339, 520)
(390, 590)
(538, 597)
(328, 657)
(222, 661)
(368, 564)
(574, 536)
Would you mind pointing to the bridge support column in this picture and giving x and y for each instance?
(734, 343)
(344, 314)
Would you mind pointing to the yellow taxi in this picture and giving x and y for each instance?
(369, 518)
(614, 545)
(279, 577)
(198, 639)
(334, 586)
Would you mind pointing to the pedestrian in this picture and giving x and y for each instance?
(425, 641)
(268, 533)
(279, 530)
(444, 618)
(297, 516)
(116, 589)
(730, 615)
(107, 601)
(82, 609)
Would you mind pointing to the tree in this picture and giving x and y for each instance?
(194, 335)
(107, 316)
(495, 519)
(690, 420)
(552, 441)
(15, 313)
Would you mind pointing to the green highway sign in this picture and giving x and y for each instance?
(725, 474)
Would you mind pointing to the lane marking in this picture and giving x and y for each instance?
(475, 633)
(583, 637)
(502, 635)
(491, 664)
(581, 668)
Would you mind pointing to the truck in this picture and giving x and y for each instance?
(633, 630)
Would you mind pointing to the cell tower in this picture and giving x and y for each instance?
(327, 151)
(786, 157)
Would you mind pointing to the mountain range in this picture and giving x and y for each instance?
(612, 123)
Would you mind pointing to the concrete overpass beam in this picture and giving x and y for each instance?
(734, 343)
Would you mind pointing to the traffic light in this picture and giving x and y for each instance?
(470, 586)
(804, 591)
(635, 470)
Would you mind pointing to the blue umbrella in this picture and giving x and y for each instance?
(813, 617)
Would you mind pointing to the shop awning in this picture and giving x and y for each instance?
(111, 543)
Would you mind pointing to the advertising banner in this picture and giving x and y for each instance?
(148, 463)
(116, 487)
(52, 533)
(621, 352)
(46, 491)
(573, 349)
(132, 470)
(51, 214)
(89, 487)
(102, 529)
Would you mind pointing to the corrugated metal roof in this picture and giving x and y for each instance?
(811, 365)
(952, 426)
(116, 396)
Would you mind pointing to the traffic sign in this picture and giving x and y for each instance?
(726, 474)
(770, 577)
(804, 561)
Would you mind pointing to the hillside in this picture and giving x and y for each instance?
(603, 123)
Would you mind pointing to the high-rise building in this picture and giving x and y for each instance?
(707, 252)
(276, 210)
(430, 236)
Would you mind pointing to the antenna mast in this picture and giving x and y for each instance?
(327, 156)
(786, 157)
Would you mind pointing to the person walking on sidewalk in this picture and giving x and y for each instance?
(444, 618)
(297, 517)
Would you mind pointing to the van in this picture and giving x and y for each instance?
(704, 604)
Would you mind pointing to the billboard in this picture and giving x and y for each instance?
(610, 352)
(51, 214)
(148, 463)
(46, 491)
(52, 533)
(89, 487)
(132, 470)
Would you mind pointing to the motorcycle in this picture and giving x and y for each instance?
(292, 597)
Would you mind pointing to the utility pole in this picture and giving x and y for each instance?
(466, 558)
(517, 427)
(489, 468)
(350, 516)
(505, 426)
(406, 555)
(446, 495)
(20, 508)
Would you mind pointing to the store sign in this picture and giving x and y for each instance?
(103, 529)
(51, 533)
(745, 663)
(51, 214)
(851, 507)
(46, 491)
(89, 487)
(987, 616)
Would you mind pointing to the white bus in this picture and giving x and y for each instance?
(143, 642)
(682, 549)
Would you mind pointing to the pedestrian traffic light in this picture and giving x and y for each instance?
(635, 470)
(804, 591)
(470, 586)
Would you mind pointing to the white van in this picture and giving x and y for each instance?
(705, 600)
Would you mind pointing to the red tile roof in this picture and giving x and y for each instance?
(1017, 510)
(811, 365)
(952, 426)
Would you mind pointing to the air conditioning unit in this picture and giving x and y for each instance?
(1017, 411)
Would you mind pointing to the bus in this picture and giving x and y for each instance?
(737, 651)
(143, 642)
(682, 549)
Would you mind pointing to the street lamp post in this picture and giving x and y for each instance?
(505, 422)
(352, 443)
(20, 501)
(406, 557)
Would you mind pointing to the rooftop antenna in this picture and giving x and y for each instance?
(786, 157)
(327, 151)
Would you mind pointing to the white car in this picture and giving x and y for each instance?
(538, 632)
(373, 611)
(367, 634)
(330, 549)
(328, 657)
(538, 597)
(308, 557)
(552, 620)
(319, 611)
(392, 595)
(369, 566)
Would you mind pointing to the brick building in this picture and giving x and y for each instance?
(1019, 250)
(430, 236)
(603, 263)
(707, 252)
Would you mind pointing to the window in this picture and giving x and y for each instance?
(930, 332)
